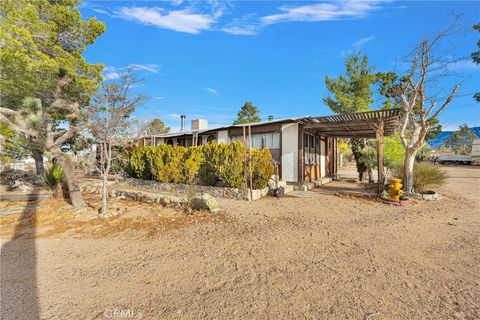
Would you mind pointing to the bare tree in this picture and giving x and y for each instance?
(111, 125)
(420, 110)
(39, 124)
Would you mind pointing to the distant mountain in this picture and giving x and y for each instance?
(436, 142)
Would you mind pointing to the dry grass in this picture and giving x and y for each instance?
(55, 217)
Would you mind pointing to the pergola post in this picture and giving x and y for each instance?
(379, 131)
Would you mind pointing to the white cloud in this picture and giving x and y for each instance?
(464, 65)
(158, 98)
(179, 20)
(112, 73)
(212, 91)
(153, 68)
(362, 41)
(322, 11)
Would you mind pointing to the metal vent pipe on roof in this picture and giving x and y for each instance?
(182, 122)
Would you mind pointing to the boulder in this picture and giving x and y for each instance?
(23, 186)
(205, 202)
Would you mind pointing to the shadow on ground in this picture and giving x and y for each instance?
(18, 270)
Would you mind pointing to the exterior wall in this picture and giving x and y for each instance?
(222, 136)
(159, 141)
(289, 149)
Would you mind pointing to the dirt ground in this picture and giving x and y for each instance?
(324, 257)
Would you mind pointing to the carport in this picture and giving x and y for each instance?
(371, 124)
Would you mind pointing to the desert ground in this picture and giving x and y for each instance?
(323, 257)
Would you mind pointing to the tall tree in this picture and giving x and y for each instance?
(111, 124)
(476, 57)
(247, 114)
(461, 141)
(45, 82)
(419, 111)
(353, 92)
(157, 126)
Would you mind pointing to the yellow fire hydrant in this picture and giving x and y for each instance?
(396, 189)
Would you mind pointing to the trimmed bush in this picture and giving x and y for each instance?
(262, 168)
(138, 166)
(229, 163)
(203, 164)
(425, 174)
(192, 162)
(207, 174)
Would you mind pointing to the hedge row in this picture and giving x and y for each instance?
(203, 164)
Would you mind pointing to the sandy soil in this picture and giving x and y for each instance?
(324, 257)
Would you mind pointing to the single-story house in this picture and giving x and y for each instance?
(304, 148)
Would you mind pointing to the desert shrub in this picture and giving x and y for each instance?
(53, 176)
(207, 174)
(229, 163)
(425, 174)
(262, 168)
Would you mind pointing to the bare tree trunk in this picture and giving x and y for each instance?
(37, 155)
(73, 189)
(104, 208)
(409, 162)
(106, 164)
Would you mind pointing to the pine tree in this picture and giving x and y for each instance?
(353, 93)
(247, 114)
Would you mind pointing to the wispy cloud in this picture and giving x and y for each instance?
(246, 30)
(184, 20)
(322, 11)
(158, 98)
(112, 73)
(212, 91)
(153, 68)
(362, 41)
(464, 65)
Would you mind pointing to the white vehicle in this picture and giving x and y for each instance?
(475, 159)
(454, 158)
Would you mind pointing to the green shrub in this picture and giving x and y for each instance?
(262, 168)
(53, 174)
(207, 174)
(138, 166)
(204, 164)
(191, 164)
(229, 163)
(425, 174)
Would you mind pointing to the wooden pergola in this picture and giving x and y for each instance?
(370, 124)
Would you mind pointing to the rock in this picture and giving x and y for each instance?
(166, 200)
(23, 185)
(205, 202)
(112, 193)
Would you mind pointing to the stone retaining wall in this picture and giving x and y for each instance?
(93, 186)
(217, 192)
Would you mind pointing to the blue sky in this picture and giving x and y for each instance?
(206, 58)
